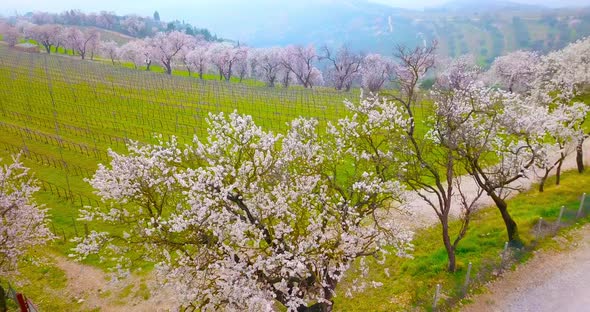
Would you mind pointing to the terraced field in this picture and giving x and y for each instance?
(64, 114)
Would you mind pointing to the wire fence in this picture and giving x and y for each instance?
(445, 297)
(64, 115)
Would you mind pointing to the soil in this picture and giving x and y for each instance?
(93, 289)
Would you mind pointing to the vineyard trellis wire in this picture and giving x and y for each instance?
(62, 115)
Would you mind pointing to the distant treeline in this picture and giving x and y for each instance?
(132, 24)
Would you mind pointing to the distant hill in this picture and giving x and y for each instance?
(485, 28)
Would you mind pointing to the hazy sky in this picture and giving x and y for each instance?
(148, 6)
(425, 3)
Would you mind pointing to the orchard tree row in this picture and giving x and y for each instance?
(307, 66)
(175, 49)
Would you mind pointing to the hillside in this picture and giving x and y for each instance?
(487, 29)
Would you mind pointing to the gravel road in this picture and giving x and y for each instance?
(549, 282)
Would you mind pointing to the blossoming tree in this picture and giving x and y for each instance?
(344, 66)
(137, 52)
(561, 77)
(375, 71)
(23, 223)
(515, 71)
(111, 50)
(268, 65)
(300, 61)
(246, 218)
(166, 46)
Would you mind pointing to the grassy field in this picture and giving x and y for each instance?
(66, 113)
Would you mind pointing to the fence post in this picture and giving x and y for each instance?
(467, 277)
(75, 227)
(20, 298)
(560, 215)
(436, 295)
(539, 227)
(579, 214)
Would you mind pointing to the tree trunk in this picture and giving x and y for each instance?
(318, 307)
(452, 263)
(580, 155)
(543, 180)
(322, 307)
(3, 306)
(511, 227)
(542, 183)
(48, 48)
(558, 172)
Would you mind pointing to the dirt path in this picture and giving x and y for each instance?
(549, 282)
(91, 288)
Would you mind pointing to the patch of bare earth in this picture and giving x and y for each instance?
(94, 290)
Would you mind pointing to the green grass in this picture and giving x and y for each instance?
(93, 107)
(412, 282)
